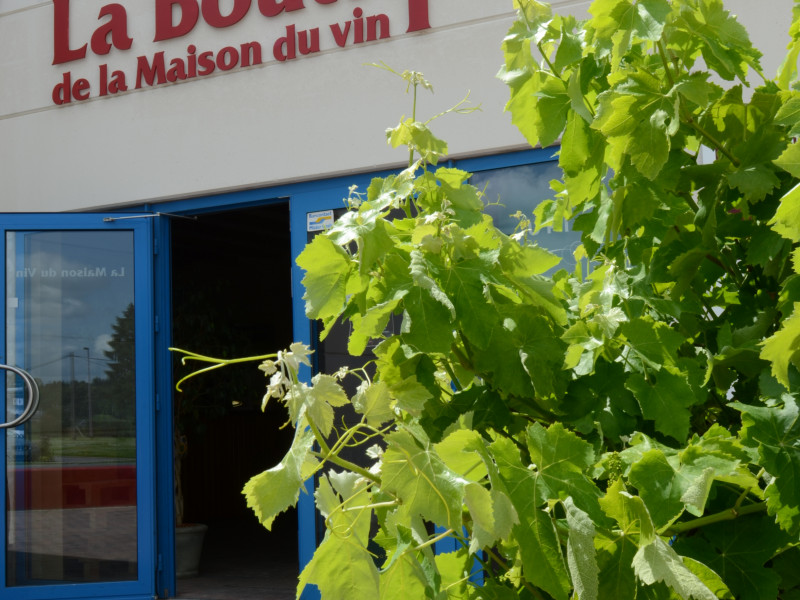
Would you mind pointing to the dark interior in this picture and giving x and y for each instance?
(232, 298)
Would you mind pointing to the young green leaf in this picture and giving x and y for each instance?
(776, 431)
(278, 488)
(417, 476)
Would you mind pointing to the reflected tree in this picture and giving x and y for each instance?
(121, 370)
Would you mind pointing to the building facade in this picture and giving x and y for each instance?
(162, 164)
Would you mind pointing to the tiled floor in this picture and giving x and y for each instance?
(242, 562)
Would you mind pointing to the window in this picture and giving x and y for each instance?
(521, 188)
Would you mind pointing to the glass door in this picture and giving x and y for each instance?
(78, 497)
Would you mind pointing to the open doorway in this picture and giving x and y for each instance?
(231, 286)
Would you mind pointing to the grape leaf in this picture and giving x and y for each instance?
(421, 480)
(278, 488)
(783, 347)
(501, 363)
(455, 451)
(724, 42)
(756, 181)
(581, 556)
(371, 324)
(341, 570)
(660, 486)
(789, 114)
(658, 562)
(374, 402)
(738, 550)
(367, 227)
(615, 552)
(404, 579)
(561, 458)
(464, 284)
(787, 218)
(539, 105)
(328, 268)
(453, 568)
(709, 578)
(665, 403)
(616, 22)
(540, 349)
(790, 160)
(654, 342)
(426, 322)
(629, 512)
(617, 547)
(776, 431)
(670, 482)
(418, 136)
(542, 560)
(492, 514)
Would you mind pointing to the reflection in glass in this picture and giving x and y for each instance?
(71, 470)
(522, 188)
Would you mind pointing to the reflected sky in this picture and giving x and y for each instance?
(522, 188)
(65, 290)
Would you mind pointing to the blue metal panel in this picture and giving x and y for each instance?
(508, 159)
(165, 491)
(144, 586)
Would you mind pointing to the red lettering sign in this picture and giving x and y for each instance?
(116, 27)
(418, 15)
(213, 17)
(272, 8)
(65, 91)
(176, 18)
(61, 50)
(165, 28)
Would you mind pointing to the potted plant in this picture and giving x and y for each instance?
(193, 407)
(188, 536)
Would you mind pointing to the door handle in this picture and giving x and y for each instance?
(31, 395)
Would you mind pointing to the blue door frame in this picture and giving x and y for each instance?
(303, 199)
(142, 234)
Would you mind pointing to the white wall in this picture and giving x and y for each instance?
(312, 117)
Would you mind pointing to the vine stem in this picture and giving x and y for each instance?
(217, 362)
(435, 539)
(346, 464)
(414, 119)
(320, 438)
(663, 54)
(688, 117)
(343, 441)
(194, 356)
(744, 493)
(714, 141)
(327, 456)
(451, 373)
(690, 201)
(371, 506)
(549, 64)
(725, 515)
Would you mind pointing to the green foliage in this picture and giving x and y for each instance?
(630, 432)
